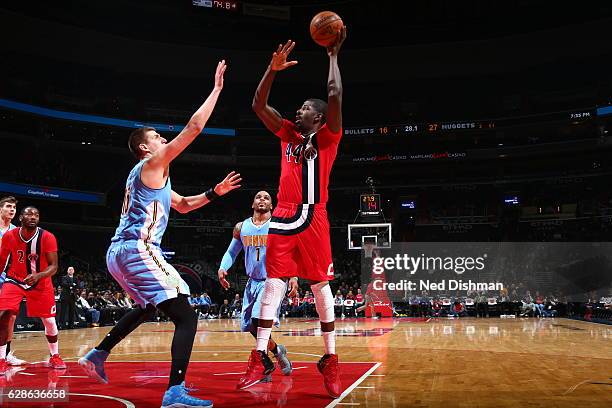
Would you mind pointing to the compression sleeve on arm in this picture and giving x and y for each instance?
(230, 255)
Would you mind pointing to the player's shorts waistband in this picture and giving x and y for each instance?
(133, 242)
(296, 219)
(293, 206)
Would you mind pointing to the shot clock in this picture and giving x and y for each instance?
(369, 204)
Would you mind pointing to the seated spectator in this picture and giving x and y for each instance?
(224, 310)
(307, 306)
(338, 304)
(90, 312)
(236, 307)
(436, 308)
(457, 309)
(295, 304)
(209, 308)
(359, 298)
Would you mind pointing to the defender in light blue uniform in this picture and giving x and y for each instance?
(252, 236)
(3, 271)
(135, 259)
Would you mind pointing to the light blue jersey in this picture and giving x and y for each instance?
(254, 239)
(3, 271)
(135, 258)
(144, 215)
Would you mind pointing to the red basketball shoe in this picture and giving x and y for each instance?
(56, 362)
(3, 366)
(259, 367)
(328, 366)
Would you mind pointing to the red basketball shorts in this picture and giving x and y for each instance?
(299, 243)
(40, 300)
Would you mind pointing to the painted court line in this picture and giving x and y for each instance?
(194, 351)
(352, 387)
(149, 376)
(128, 404)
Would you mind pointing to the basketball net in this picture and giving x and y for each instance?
(367, 249)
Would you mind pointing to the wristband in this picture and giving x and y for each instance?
(211, 195)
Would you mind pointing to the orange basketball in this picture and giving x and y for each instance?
(324, 28)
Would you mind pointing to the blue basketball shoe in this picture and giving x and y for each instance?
(93, 364)
(177, 397)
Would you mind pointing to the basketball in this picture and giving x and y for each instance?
(324, 28)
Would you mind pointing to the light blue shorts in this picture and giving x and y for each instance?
(251, 304)
(142, 271)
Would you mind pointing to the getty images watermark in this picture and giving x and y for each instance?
(409, 271)
(406, 264)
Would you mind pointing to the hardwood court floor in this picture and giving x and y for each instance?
(438, 363)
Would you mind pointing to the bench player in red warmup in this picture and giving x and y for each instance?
(32, 256)
(298, 237)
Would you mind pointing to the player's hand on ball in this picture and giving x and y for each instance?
(279, 58)
(221, 66)
(224, 283)
(229, 183)
(31, 279)
(293, 287)
(335, 48)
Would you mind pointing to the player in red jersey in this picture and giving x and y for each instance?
(31, 255)
(298, 238)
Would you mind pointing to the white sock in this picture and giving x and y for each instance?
(54, 348)
(2, 352)
(329, 339)
(263, 335)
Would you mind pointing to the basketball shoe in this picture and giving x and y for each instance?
(258, 368)
(283, 360)
(93, 364)
(178, 396)
(12, 360)
(56, 362)
(328, 366)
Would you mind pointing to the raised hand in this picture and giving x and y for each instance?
(221, 66)
(334, 49)
(222, 279)
(293, 287)
(279, 57)
(229, 183)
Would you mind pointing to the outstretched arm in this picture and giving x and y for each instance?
(230, 256)
(162, 157)
(334, 85)
(268, 115)
(187, 204)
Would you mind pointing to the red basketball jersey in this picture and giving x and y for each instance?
(305, 181)
(25, 257)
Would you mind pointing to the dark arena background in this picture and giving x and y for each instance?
(472, 130)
